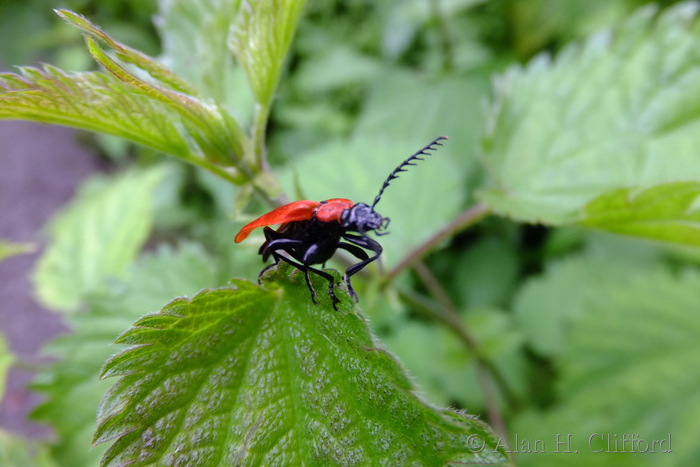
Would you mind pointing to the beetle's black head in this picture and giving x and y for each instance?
(362, 218)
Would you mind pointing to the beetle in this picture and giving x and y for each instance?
(312, 231)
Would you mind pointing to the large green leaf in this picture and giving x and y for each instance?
(664, 212)
(262, 376)
(71, 384)
(621, 110)
(97, 236)
(91, 101)
(260, 39)
(629, 368)
(198, 32)
(217, 134)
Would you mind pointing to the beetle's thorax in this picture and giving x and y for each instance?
(361, 218)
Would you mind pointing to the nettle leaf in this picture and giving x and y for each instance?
(198, 32)
(96, 237)
(260, 39)
(629, 367)
(262, 376)
(71, 385)
(619, 111)
(664, 212)
(216, 133)
(91, 101)
(546, 305)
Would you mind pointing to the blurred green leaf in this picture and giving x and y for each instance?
(97, 236)
(629, 366)
(6, 361)
(446, 371)
(546, 305)
(666, 212)
(619, 111)
(485, 274)
(251, 376)
(19, 452)
(10, 249)
(261, 37)
(198, 33)
(71, 385)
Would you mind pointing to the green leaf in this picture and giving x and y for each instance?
(10, 249)
(216, 133)
(96, 237)
(128, 55)
(198, 32)
(666, 212)
(253, 376)
(91, 101)
(71, 385)
(619, 111)
(629, 367)
(546, 305)
(260, 39)
(6, 361)
(19, 452)
(446, 371)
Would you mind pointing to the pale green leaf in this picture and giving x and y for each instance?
(253, 376)
(621, 110)
(260, 40)
(629, 367)
(666, 212)
(128, 55)
(20, 452)
(217, 133)
(91, 101)
(6, 361)
(198, 32)
(97, 236)
(546, 304)
(9, 249)
(71, 385)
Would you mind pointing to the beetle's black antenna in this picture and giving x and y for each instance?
(407, 162)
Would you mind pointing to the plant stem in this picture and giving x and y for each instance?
(467, 218)
(262, 113)
(449, 316)
(446, 42)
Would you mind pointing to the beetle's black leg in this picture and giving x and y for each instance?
(288, 245)
(364, 242)
(358, 253)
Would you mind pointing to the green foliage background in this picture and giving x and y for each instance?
(541, 273)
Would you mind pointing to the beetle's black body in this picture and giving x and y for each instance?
(313, 237)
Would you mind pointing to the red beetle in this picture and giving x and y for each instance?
(312, 231)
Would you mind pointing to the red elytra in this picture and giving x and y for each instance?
(311, 232)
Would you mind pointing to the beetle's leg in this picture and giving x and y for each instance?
(361, 255)
(364, 242)
(288, 245)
